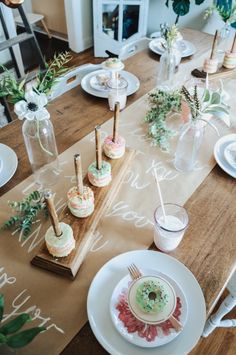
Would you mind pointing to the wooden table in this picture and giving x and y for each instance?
(212, 253)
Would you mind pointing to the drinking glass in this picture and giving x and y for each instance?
(169, 231)
(117, 92)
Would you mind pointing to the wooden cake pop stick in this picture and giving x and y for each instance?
(78, 173)
(48, 196)
(233, 49)
(116, 121)
(98, 147)
(214, 46)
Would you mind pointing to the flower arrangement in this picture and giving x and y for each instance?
(182, 7)
(162, 103)
(227, 11)
(210, 103)
(26, 212)
(170, 34)
(10, 333)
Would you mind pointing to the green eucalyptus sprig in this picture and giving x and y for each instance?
(162, 103)
(45, 80)
(11, 333)
(26, 212)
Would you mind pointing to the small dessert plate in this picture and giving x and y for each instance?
(163, 334)
(152, 318)
(230, 154)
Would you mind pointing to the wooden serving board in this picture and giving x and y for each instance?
(221, 73)
(84, 228)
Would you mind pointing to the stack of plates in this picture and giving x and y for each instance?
(186, 48)
(112, 280)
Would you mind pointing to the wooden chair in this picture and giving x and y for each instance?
(33, 18)
(133, 48)
(71, 79)
(226, 306)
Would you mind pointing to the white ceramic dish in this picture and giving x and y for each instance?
(134, 338)
(219, 150)
(8, 165)
(187, 48)
(133, 83)
(112, 272)
(230, 154)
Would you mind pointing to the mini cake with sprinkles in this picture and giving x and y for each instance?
(229, 60)
(99, 177)
(114, 149)
(113, 63)
(60, 246)
(81, 205)
(151, 296)
(210, 66)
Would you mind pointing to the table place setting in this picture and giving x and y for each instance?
(85, 228)
(8, 164)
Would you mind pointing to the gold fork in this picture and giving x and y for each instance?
(135, 274)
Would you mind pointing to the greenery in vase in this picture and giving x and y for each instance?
(227, 11)
(210, 103)
(45, 80)
(182, 7)
(26, 213)
(11, 333)
(162, 103)
(170, 34)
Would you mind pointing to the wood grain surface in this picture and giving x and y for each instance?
(84, 228)
(208, 248)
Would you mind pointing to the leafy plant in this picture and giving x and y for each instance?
(210, 103)
(227, 11)
(10, 333)
(43, 83)
(162, 103)
(26, 212)
(182, 7)
(170, 34)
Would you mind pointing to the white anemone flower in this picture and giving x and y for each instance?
(32, 107)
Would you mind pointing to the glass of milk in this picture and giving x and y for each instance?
(169, 231)
(117, 92)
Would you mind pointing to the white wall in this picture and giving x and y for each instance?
(159, 13)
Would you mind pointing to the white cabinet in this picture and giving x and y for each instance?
(118, 22)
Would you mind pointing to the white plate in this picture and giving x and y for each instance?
(187, 48)
(219, 149)
(134, 338)
(133, 83)
(230, 154)
(108, 277)
(9, 163)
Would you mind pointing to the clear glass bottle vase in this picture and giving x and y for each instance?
(42, 152)
(166, 70)
(188, 146)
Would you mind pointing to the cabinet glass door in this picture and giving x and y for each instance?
(130, 20)
(110, 20)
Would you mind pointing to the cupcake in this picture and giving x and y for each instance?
(113, 63)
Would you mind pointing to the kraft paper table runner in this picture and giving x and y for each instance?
(56, 302)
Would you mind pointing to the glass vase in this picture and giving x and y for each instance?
(224, 41)
(42, 152)
(166, 70)
(188, 146)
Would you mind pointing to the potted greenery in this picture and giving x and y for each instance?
(181, 7)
